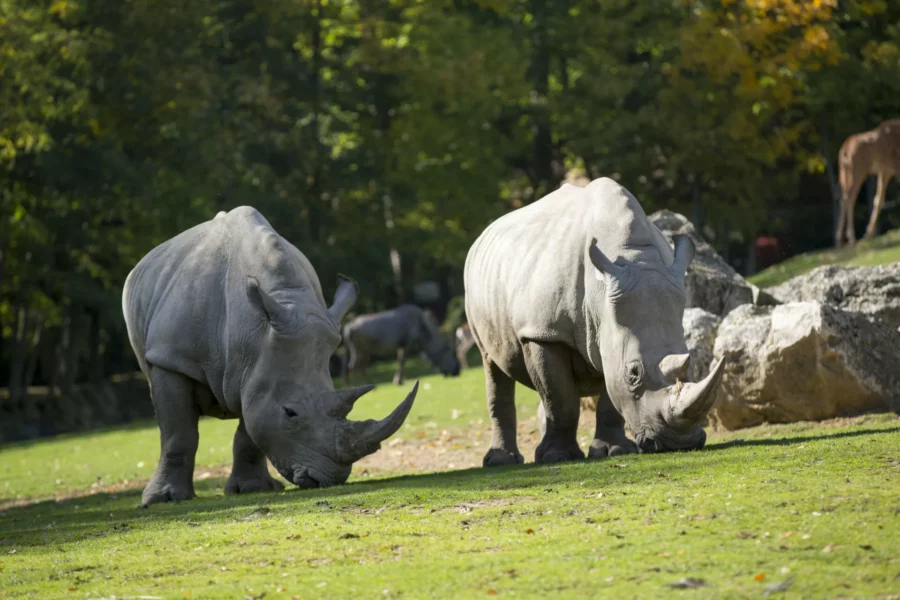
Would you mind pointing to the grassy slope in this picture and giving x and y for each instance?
(881, 250)
(814, 505)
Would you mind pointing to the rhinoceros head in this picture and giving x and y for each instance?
(437, 349)
(290, 407)
(646, 363)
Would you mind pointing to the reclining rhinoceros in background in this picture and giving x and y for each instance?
(398, 332)
(227, 319)
(579, 294)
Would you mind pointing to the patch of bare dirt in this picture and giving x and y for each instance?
(454, 449)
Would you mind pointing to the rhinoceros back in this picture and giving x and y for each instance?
(524, 276)
(185, 302)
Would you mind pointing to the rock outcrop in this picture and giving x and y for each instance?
(700, 335)
(868, 290)
(804, 361)
(710, 282)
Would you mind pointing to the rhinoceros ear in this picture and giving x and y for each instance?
(602, 263)
(684, 253)
(278, 315)
(344, 297)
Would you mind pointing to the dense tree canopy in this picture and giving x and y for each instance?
(381, 136)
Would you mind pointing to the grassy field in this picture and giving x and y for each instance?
(805, 510)
(883, 249)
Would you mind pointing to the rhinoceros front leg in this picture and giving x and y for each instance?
(609, 438)
(401, 358)
(177, 415)
(501, 400)
(250, 473)
(550, 369)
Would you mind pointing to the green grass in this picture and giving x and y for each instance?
(881, 250)
(816, 506)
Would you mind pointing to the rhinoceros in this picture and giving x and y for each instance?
(228, 319)
(398, 332)
(578, 294)
(464, 342)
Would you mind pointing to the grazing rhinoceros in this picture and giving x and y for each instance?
(579, 294)
(464, 342)
(228, 319)
(398, 332)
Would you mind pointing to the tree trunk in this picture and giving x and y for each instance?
(393, 253)
(316, 225)
(17, 362)
(696, 204)
(32, 361)
(833, 183)
(66, 355)
(541, 129)
(2, 274)
(95, 358)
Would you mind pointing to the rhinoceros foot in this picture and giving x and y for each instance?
(554, 450)
(601, 449)
(238, 484)
(497, 457)
(166, 489)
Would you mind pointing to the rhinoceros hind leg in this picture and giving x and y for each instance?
(550, 369)
(177, 415)
(501, 399)
(609, 438)
(250, 473)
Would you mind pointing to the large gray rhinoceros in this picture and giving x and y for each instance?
(398, 332)
(578, 294)
(228, 319)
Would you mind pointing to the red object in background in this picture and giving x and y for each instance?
(768, 251)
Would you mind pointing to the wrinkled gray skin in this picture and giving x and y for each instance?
(578, 294)
(397, 332)
(228, 319)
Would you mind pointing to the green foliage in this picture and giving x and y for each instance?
(363, 128)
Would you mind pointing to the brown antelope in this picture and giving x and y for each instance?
(862, 154)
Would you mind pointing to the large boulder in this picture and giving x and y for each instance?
(710, 282)
(868, 290)
(804, 361)
(700, 335)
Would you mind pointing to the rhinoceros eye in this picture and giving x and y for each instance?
(634, 374)
(289, 412)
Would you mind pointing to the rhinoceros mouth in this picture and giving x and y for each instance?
(303, 478)
(650, 443)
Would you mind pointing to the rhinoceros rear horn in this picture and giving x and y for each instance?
(341, 402)
(344, 297)
(361, 438)
(684, 253)
(690, 402)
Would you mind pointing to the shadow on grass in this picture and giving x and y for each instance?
(788, 441)
(50, 522)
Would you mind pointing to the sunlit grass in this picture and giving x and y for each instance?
(812, 506)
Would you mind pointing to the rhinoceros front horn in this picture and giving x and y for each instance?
(341, 402)
(361, 438)
(690, 402)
